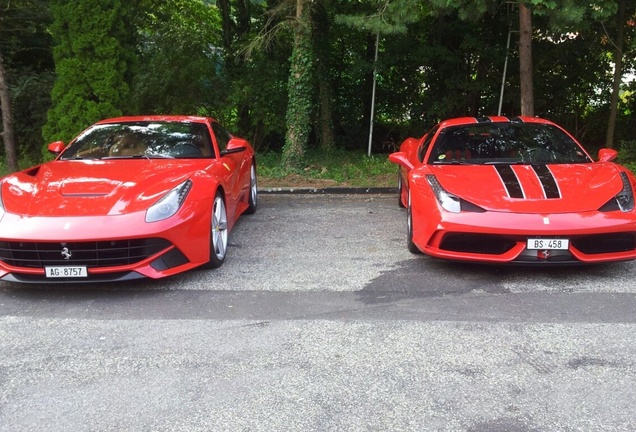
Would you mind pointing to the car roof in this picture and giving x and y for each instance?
(163, 118)
(492, 119)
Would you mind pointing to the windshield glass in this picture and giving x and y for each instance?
(142, 140)
(522, 143)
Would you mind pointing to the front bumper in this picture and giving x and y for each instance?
(111, 248)
(502, 237)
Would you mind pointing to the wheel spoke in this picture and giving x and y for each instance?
(219, 228)
(219, 244)
(253, 185)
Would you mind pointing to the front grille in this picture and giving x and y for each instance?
(605, 243)
(100, 277)
(477, 243)
(106, 253)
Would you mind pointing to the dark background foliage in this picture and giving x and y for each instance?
(72, 63)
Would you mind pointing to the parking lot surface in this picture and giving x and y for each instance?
(320, 320)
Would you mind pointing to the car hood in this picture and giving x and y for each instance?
(95, 187)
(554, 188)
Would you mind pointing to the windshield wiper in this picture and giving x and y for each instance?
(505, 163)
(126, 157)
(78, 157)
(158, 156)
(453, 162)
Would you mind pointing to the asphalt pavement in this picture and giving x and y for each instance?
(321, 320)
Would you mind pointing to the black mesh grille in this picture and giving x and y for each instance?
(106, 277)
(605, 243)
(90, 254)
(477, 243)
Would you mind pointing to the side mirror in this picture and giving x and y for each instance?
(57, 147)
(607, 155)
(235, 145)
(401, 159)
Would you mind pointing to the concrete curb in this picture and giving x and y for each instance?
(329, 190)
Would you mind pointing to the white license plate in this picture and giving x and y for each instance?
(65, 272)
(545, 244)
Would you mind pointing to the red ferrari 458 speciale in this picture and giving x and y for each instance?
(130, 197)
(514, 190)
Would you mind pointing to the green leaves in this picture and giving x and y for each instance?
(94, 55)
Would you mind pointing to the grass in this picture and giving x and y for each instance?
(337, 169)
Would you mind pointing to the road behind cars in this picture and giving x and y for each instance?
(321, 320)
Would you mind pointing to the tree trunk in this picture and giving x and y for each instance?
(327, 141)
(8, 135)
(618, 73)
(525, 59)
(299, 102)
(321, 44)
(226, 23)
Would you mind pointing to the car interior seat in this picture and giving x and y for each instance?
(127, 145)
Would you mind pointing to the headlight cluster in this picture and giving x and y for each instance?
(169, 204)
(624, 200)
(450, 202)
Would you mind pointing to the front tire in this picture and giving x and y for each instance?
(409, 229)
(218, 233)
(252, 201)
(399, 188)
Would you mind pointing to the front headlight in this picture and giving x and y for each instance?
(169, 204)
(450, 202)
(624, 200)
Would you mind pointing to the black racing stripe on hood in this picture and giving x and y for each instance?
(548, 182)
(510, 181)
(483, 119)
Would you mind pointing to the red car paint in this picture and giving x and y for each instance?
(75, 202)
(507, 197)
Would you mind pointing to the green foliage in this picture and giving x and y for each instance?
(179, 64)
(437, 59)
(354, 168)
(30, 96)
(627, 153)
(26, 50)
(94, 55)
(383, 17)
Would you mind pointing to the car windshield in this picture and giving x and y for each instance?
(505, 143)
(153, 139)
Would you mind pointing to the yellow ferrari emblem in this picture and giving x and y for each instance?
(227, 166)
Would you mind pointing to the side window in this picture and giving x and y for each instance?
(222, 136)
(421, 152)
(201, 139)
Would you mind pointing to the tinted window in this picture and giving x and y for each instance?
(222, 136)
(421, 152)
(142, 139)
(506, 143)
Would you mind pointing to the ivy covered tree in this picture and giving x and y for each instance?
(94, 57)
(300, 92)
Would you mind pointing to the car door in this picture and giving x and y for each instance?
(235, 171)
